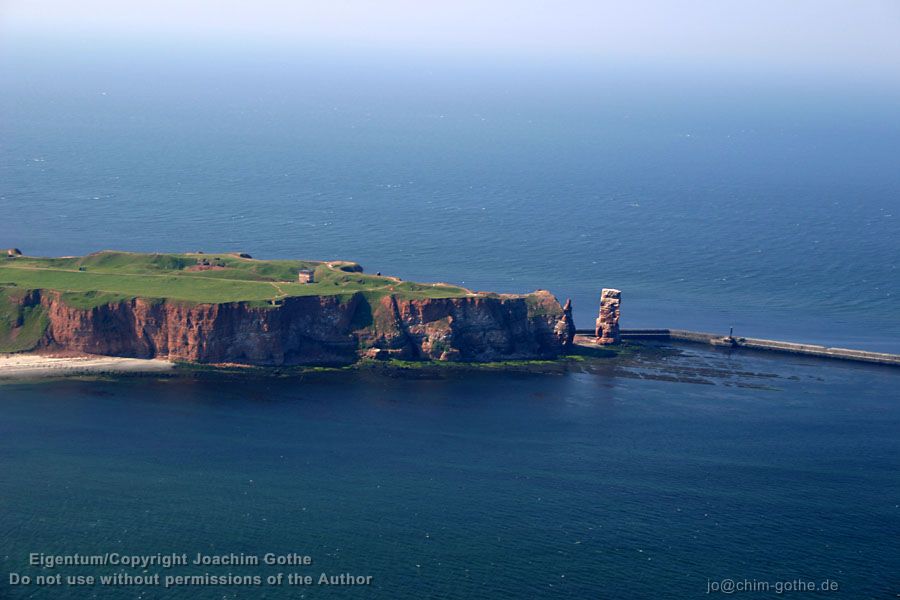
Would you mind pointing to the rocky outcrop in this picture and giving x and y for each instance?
(476, 328)
(311, 329)
(565, 327)
(607, 325)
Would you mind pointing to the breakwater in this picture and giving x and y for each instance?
(697, 337)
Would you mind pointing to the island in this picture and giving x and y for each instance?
(230, 308)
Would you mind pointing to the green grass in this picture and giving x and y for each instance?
(110, 276)
(21, 327)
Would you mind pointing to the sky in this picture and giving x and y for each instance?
(850, 36)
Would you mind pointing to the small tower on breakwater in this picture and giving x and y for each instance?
(607, 326)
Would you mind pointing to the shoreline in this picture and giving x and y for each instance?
(15, 367)
(585, 352)
(35, 366)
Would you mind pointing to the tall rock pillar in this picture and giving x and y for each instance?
(565, 327)
(607, 330)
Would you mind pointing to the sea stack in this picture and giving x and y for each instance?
(607, 329)
(565, 327)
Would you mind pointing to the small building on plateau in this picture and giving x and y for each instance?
(305, 276)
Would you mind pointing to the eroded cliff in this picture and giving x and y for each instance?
(317, 329)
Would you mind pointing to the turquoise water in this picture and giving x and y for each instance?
(612, 484)
(712, 199)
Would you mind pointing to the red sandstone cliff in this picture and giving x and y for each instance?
(311, 329)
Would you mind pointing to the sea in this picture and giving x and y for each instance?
(661, 479)
(713, 199)
(770, 204)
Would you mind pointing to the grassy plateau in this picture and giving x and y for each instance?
(109, 277)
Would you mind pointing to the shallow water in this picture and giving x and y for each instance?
(615, 483)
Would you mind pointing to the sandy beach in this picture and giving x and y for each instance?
(28, 366)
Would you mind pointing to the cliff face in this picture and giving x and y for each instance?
(311, 329)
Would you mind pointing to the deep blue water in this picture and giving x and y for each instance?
(711, 200)
(584, 485)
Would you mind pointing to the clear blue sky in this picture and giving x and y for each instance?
(853, 36)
